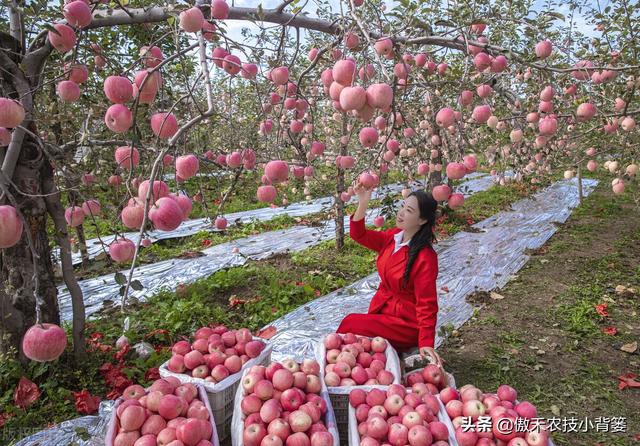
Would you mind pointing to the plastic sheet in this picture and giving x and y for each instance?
(96, 246)
(75, 431)
(468, 262)
(169, 273)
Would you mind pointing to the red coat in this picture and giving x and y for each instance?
(407, 317)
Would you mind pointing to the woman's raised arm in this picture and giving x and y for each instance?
(358, 232)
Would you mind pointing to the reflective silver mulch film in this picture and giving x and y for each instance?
(190, 227)
(83, 431)
(468, 262)
(169, 273)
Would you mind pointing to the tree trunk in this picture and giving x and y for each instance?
(17, 298)
(580, 193)
(339, 189)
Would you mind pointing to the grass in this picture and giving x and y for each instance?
(546, 337)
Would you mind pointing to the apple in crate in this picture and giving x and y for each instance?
(166, 413)
(215, 353)
(281, 405)
(355, 360)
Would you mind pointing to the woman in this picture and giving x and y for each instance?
(404, 310)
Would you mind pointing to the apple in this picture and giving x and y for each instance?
(310, 367)
(534, 438)
(219, 372)
(454, 408)
(299, 380)
(133, 392)
(473, 409)
(398, 434)
(449, 393)
(291, 365)
(249, 382)
(468, 438)
(439, 430)
(425, 412)
(170, 406)
(280, 428)
(357, 397)
(378, 345)
(393, 404)
(282, 379)
(322, 438)
(202, 371)
(299, 421)
(270, 410)
(420, 436)
(198, 411)
(385, 377)
(298, 439)
(362, 412)
(191, 432)
(377, 428)
(507, 393)
(378, 410)
(411, 419)
(376, 397)
(332, 379)
(470, 394)
(332, 341)
(291, 400)
(313, 384)
(253, 434)
(132, 418)
(187, 391)
(526, 410)
(250, 404)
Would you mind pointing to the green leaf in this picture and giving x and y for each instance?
(136, 285)
(120, 278)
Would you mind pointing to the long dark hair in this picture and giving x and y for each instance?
(425, 236)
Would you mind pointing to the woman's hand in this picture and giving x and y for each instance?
(363, 193)
(425, 352)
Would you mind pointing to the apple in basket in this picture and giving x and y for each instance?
(281, 405)
(355, 360)
(397, 417)
(215, 353)
(168, 412)
(503, 408)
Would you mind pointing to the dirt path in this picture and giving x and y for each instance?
(543, 334)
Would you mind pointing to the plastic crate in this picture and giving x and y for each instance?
(340, 403)
(202, 396)
(237, 424)
(354, 436)
(340, 395)
(221, 395)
